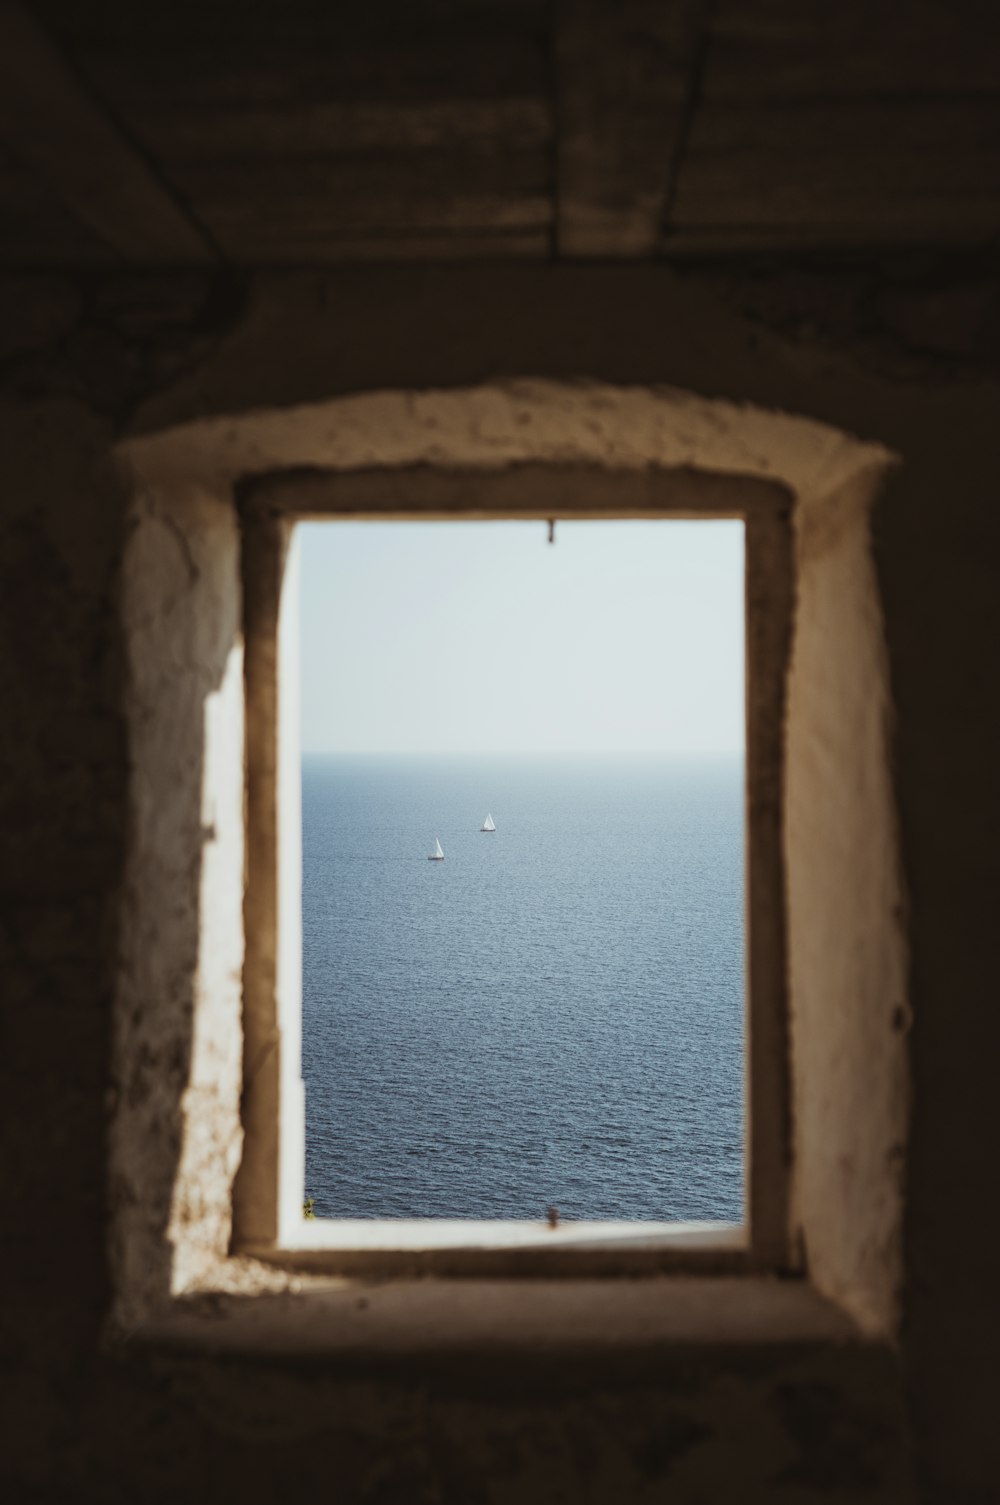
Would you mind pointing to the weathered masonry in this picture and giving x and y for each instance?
(528, 447)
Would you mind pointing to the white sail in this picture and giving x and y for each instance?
(438, 853)
(488, 824)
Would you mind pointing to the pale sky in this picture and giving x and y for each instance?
(481, 637)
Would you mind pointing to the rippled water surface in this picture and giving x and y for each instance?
(552, 1015)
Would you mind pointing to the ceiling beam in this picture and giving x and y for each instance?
(626, 81)
(53, 128)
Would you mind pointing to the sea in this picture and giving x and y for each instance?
(553, 1016)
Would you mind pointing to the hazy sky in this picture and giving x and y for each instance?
(481, 637)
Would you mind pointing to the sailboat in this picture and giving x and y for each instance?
(438, 853)
(488, 824)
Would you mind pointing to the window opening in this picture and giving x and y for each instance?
(547, 1023)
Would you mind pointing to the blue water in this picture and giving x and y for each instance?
(551, 1016)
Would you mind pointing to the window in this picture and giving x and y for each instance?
(270, 512)
(201, 1173)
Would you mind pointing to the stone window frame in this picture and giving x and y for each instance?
(825, 1187)
(268, 1223)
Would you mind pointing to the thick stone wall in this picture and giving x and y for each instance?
(88, 362)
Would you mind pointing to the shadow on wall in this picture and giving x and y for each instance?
(63, 816)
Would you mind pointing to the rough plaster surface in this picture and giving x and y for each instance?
(176, 1138)
(847, 949)
(801, 1431)
(496, 425)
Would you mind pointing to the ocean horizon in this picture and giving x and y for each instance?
(552, 1015)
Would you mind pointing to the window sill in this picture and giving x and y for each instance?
(384, 1247)
(361, 1325)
